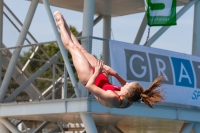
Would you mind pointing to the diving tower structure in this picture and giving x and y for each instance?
(82, 112)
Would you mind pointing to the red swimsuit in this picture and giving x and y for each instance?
(103, 82)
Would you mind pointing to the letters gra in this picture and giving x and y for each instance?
(177, 71)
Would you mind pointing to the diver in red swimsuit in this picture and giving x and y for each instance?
(96, 80)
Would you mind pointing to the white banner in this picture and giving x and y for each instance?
(144, 64)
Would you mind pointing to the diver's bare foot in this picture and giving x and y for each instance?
(59, 19)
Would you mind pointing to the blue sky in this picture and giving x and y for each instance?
(177, 38)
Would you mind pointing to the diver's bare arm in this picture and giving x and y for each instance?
(112, 72)
(121, 80)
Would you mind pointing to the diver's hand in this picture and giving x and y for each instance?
(98, 67)
(108, 70)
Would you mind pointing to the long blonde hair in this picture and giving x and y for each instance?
(150, 96)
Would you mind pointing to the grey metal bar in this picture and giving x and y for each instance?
(16, 52)
(28, 45)
(54, 83)
(1, 36)
(88, 15)
(107, 35)
(37, 130)
(2, 127)
(54, 129)
(50, 87)
(196, 30)
(60, 127)
(62, 48)
(141, 30)
(99, 18)
(56, 89)
(64, 87)
(33, 77)
(9, 125)
(165, 28)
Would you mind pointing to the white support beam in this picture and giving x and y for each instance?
(165, 28)
(62, 48)
(196, 30)
(9, 125)
(141, 30)
(16, 52)
(88, 123)
(187, 127)
(196, 128)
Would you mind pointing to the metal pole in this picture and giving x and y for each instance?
(196, 30)
(33, 77)
(196, 128)
(88, 123)
(165, 28)
(37, 130)
(141, 30)
(50, 87)
(187, 127)
(54, 83)
(64, 87)
(99, 18)
(62, 48)
(16, 52)
(87, 27)
(9, 125)
(107, 35)
(1, 36)
(3, 129)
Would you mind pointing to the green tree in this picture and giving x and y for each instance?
(51, 49)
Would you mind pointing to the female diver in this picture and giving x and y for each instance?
(93, 74)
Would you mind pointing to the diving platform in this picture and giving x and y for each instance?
(165, 117)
